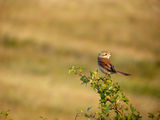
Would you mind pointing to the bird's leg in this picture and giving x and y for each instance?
(106, 76)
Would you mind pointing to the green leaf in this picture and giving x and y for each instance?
(109, 107)
(89, 108)
(102, 96)
(126, 108)
(151, 115)
(72, 69)
(132, 108)
(124, 98)
(81, 111)
(79, 69)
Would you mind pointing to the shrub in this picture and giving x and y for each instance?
(5, 115)
(113, 103)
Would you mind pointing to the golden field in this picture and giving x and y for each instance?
(41, 39)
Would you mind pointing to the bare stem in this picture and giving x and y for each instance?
(115, 106)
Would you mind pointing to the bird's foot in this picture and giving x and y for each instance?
(107, 76)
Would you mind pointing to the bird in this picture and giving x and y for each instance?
(105, 64)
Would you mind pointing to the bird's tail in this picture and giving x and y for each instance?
(126, 74)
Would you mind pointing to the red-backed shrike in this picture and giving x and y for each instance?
(105, 64)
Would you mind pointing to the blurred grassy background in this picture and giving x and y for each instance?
(40, 39)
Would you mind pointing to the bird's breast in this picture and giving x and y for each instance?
(99, 66)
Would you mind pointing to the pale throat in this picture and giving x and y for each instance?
(107, 56)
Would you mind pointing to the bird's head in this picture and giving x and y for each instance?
(104, 54)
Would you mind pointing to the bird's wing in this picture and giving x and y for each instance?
(106, 64)
(112, 68)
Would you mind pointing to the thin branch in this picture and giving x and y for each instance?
(116, 108)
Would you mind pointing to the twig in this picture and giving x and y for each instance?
(116, 108)
(115, 105)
